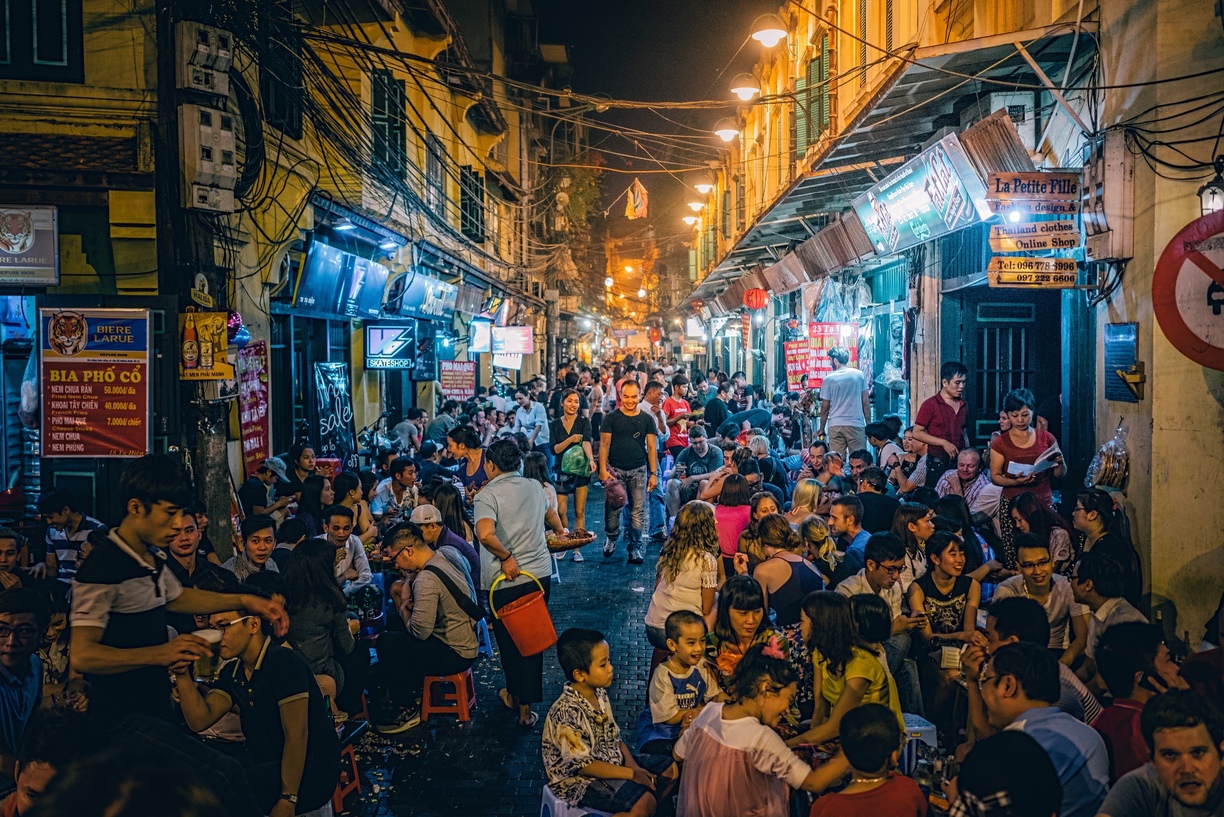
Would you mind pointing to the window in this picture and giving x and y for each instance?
(739, 204)
(472, 204)
(390, 130)
(435, 155)
(280, 70)
(817, 94)
(726, 214)
(42, 40)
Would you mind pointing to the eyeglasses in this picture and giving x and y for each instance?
(982, 681)
(223, 627)
(1035, 565)
(892, 571)
(22, 633)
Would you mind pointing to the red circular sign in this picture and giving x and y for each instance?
(1188, 291)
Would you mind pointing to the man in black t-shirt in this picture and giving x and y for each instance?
(253, 495)
(628, 449)
(291, 745)
(878, 507)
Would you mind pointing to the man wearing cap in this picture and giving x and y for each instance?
(429, 519)
(253, 495)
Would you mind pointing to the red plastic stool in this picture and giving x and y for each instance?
(350, 780)
(461, 702)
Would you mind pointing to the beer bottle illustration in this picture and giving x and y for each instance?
(191, 342)
(208, 347)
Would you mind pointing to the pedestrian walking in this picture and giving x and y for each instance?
(941, 420)
(532, 419)
(844, 404)
(628, 449)
(572, 431)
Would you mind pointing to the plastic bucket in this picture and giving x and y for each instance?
(526, 619)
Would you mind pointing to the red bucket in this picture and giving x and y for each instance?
(526, 619)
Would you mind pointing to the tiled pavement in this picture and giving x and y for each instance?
(490, 766)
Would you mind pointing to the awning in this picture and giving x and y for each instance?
(920, 97)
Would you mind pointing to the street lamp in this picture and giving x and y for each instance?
(690, 220)
(702, 182)
(769, 30)
(745, 86)
(608, 282)
(641, 292)
(628, 268)
(1211, 195)
(726, 129)
(696, 206)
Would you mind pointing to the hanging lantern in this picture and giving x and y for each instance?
(756, 298)
(655, 334)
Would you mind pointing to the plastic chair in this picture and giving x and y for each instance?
(350, 778)
(553, 806)
(461, 702)
(484, 639)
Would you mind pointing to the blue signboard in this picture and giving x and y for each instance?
(338, 284)
(427, 298)
(933, 194)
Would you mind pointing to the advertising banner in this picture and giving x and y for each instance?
(428, 298)
(513, 340)
(824, 336)
(203, 346)
(29, 246)
(458, 379)
(253, 406)
(798, 362)
(337, 437)
(94, 370)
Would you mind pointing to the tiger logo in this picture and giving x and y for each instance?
(67, 332)
(16, 231)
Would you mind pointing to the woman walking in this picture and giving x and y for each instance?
(571, 436)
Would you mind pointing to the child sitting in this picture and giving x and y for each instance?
(587, 763)
(871, 741)
(680, 686)
(734, 762)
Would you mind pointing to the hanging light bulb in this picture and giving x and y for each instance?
(769, 30)
(745, 86)
(726, 129)
(1211, 195)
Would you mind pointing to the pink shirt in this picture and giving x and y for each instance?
(731, 520)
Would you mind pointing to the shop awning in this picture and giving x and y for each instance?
(922, 96)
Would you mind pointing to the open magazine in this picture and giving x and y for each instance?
(1045, 462)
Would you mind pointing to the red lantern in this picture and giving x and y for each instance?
(756, 298)
(655, 334)
(697, 304)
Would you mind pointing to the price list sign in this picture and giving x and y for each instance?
(94, 366)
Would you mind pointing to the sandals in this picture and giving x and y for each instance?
(535, 717)
(506, 699)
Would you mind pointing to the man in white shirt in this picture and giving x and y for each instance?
(1097, 581)
(353, 568)
(844, 404)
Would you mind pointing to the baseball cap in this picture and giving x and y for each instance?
(277, 466)
(425, 515)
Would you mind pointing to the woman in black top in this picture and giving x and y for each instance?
(571, 430)
(301, 466)
(1098, 517)
(317, 494)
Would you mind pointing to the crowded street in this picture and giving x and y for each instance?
(697, 408)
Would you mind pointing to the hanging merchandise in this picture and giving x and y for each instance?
(1111, 465)
(233, 322)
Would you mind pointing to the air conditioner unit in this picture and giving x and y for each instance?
(205, 55)
(206, 147)
(1108, 203)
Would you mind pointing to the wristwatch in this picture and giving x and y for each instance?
(292, 798)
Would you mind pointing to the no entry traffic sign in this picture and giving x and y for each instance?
(1188, 291)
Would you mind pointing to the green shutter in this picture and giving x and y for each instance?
(823, 123)
(801, 115)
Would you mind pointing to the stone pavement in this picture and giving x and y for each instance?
(491, 766)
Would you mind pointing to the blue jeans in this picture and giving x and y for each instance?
(658, 504)
(905, 673)
(547, 451)
(635, 488)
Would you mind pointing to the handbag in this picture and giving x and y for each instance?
(575, 462)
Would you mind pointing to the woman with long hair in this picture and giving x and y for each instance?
(1012, 456)
(846, 673)
(463, 444)
(449, 502)
(535, 466)
(804, 502)
(912, 524)
(820, 546)
(739, 623)
(571, 430)
(317, 494)
(952, 515)
(733, 514)
(347, 488)
(689, 572)
(1030, 515)
(319, 628)
(1103, 525)
(301, 465)
(762, 505)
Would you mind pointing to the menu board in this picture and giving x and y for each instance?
(513, 340)
(798, 362)
(254, 406)
(824, 336)
(94, 370)
(458, 379)
(933, 194)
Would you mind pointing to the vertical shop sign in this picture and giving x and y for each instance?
(337, 436)
(458, 379)
(94, 370)
(798, 362)
(253, 406)
(824, 336)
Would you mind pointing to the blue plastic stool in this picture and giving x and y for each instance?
(484, 643)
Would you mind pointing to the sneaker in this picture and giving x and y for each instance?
(405, 720)
(609, 548)
(635, 556)
(578, 557)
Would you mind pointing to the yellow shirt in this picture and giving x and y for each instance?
(881, 688)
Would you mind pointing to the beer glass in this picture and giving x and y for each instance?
(208, 668)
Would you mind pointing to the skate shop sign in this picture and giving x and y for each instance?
(94, 369)
(1040, 273)
(1188, 291)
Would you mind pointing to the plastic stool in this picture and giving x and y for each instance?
(350, 780)
(556, 571)
(461, 702)
(484, 641)
(553, 806)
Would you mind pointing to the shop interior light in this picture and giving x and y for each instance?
(726, 129)
(586, 324)
(690, 220)
(1211, 195)
(608, 282)
(388, 245)
(628, 268)
(769, 30)
(641, 292)
(345, 225)
(760, 319)
(745, 86)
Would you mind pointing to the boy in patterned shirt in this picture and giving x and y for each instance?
(588, 764)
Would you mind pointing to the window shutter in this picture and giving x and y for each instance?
(888, 25)
(824, 84)
(802, 110)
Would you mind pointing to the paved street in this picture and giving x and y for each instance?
(490, 766)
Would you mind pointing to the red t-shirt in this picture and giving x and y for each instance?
(1026, 456)
(1118, 726)
(899, 796)
(676, 438)
(941, 420)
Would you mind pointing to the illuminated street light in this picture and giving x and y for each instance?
(690, 220)
(769, 30)
(1211, 195)
(726, 129)
(702, 182)
(628, 268)
(641, 292)
(745, 86)
(608, 282)
(696, 206)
